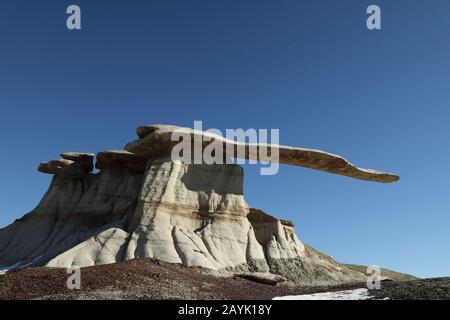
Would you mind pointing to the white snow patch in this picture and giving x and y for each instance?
(6, 268)
(357, 294)
(17, 266)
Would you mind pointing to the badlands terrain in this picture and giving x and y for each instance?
(143, 225)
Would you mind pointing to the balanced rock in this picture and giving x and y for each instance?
(143, 204)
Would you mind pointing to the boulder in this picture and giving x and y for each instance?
(263, 277)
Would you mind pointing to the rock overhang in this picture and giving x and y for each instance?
(159, 138)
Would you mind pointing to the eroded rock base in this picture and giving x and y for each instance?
(194, 215)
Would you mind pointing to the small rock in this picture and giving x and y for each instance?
(66, 168)
(43, 167)
(264, 278)
(78, 156)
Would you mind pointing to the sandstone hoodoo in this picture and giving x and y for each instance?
(141, 203)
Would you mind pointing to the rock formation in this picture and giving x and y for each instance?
(156, 139)
(142, 204)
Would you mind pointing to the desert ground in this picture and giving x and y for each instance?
(144, 279)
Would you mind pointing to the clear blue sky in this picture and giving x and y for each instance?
(310, 68)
